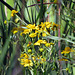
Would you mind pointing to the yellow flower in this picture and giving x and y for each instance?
(26, 31)
(43, 34)
(13, 12)
(29, 51)
(40, 42)
(48, 24)
(5, 22)
(36, 43)
(66, 50)
(32, 35)
(41, 49)
(30, 26)
(51, 43)
(67, 69)
(42, 25)
(44, 42)
(37, 27)
(26, 56)
(47, 44)
(22, 62)
(14, 32)
(16, 20)
(28, 63)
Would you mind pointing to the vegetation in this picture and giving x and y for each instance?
(37, 37)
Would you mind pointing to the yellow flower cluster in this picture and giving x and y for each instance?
(33, 31)
(26, 61)
(13, 12)
(67, 50)
(39, 42)
(43, 28)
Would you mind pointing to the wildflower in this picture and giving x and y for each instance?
(47, 44)
(48, 24)
(22, 62)
(43, 34)
(51, 43)
(32, 35)
(40, 42)
(26, 56)
(26, 31)
(16, 20)
(30, 26)
(36, 43)
(27, 63)
(67, 50)
(37, 27)
(29, 51)
(14, 32)
(41, 49)
(5, 22)
(13, 12)
(43, 42)
(67, 69)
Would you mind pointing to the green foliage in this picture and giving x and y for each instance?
(13, 46)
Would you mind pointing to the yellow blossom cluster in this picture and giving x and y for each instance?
(43, 28)
(39, 42)
(33, 31)
(26, 60)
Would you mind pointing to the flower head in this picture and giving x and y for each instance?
(5, 22)
(32, 35)
(41, 49)
(13, 12)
